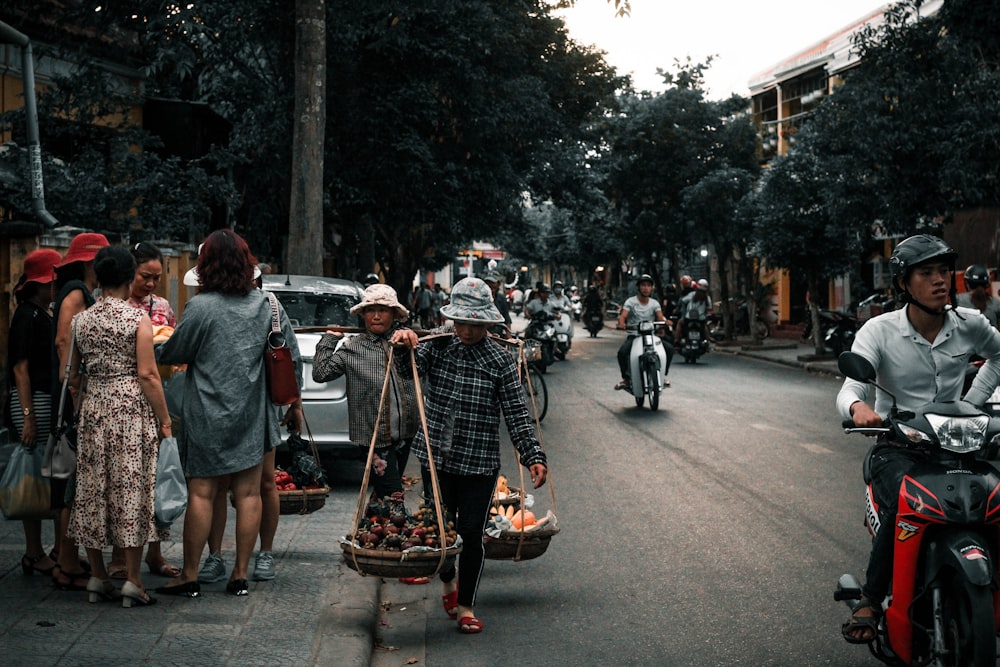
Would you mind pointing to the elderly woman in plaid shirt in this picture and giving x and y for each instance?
(472, 381)
(363, 360)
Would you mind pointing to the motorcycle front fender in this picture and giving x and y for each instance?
(964, 551)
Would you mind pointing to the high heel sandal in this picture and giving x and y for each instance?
(28, 566)
(133, 595)
(102, 589)
(84, 563)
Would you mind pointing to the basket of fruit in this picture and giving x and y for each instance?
(516, 534)
(389, 542)
(302, 501)
(506, 496)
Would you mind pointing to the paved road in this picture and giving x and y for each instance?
(708, 533)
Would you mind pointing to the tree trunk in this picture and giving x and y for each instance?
(305, 224)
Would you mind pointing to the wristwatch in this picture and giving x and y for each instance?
(26, 411)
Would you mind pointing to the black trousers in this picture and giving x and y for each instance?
(889, 464)
(467, 500)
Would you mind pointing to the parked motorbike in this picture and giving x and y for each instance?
(942, 607)
(838, 329)
(593, 320)
(647, 363)
(694, 341)
(564, 334)
(543, 330)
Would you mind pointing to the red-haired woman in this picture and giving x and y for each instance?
(226, 407)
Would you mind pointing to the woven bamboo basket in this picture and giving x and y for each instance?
(382, 563)
(303, 501)
(506, 546)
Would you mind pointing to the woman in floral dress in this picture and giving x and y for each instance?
(148, 272)
(123, 415)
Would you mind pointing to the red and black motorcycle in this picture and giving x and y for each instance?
(942, 608)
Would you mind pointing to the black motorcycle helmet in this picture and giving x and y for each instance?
(976, 276)
(645, 278)
(913, 252)
(370, 279)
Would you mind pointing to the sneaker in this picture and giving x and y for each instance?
(213, 570)
(263, 569)
(623, 384)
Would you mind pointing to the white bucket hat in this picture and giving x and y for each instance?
(191, 278)
(472, 303)
(381, 295)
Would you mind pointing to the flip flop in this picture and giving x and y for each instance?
(470, 625)
(164, 569)
(866, 623)
(450, 603)
(414, 581)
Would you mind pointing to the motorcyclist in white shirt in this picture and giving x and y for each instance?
(542, 303)
(559, 299)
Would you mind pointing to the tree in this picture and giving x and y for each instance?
(794, 228)
(305, 225)
(459, 100)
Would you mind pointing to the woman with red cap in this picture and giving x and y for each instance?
(75, 283)
(29, 360)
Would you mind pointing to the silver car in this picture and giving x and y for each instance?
(314, 303)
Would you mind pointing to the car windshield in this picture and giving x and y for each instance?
(308, 309)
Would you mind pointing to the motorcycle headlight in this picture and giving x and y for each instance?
(645, 327)
(961, 435)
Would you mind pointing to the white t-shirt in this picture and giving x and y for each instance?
(639, 312)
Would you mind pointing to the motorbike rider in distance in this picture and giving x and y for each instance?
(540, 303)
(977, 279)
(694, 307)
(920, 353)
(559, 300)
(641, 307)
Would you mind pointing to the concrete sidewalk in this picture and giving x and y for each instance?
(316, 612)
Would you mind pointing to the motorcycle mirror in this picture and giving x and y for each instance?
(856, 367)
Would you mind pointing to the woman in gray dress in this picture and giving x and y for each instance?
(225, 411)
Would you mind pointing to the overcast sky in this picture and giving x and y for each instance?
(746, 37)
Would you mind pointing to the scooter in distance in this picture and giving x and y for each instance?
(542, 330)
(647, 364)
(593, 320)
(694, 341)
(943, 602)
(564, 334)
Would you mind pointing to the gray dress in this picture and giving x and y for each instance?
(226, 415)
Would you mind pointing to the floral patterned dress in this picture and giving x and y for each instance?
(118, 435)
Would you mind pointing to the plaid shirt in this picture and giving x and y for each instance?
(363, 359)
(469, 387)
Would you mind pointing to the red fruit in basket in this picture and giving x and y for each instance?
(393, 542)
(418, 532)
(409, 544)
(398, 520)
(378, 530)
(431, 542)
(369, 539)
(391, 530)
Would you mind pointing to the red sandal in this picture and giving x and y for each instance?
(470, 625)
(450, 603)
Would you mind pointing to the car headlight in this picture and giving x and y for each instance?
(959, 434)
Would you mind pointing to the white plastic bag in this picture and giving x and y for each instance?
(171, 486)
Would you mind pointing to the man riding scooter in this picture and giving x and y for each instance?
(639, 308)
(693, 310)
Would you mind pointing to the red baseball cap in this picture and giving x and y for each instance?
(39, 267)
(84, 247)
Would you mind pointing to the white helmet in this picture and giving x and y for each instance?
(703, 285)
